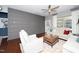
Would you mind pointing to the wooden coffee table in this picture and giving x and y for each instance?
(51, 39)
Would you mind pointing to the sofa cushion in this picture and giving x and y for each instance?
(32, 36)
(72, 45)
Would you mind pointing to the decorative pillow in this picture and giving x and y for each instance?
(66, 32)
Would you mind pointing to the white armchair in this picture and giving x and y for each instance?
(30, 44)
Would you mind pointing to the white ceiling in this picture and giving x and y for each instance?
(37, 9)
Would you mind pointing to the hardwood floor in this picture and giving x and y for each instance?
(10, 46)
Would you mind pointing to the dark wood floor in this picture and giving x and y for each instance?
(10, 46)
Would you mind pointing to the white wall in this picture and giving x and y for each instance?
(54, 23)
(48, 23)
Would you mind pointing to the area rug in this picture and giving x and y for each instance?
(57, 48)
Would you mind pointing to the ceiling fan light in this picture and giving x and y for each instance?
(49, 10)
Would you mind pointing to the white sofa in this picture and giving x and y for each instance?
(30, 44)
(60, 33)
(71, 46)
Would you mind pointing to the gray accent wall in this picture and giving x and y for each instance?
(19, 20)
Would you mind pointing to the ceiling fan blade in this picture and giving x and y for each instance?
(53, 9)
(50, 10)
(56, 7)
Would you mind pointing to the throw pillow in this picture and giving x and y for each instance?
(66, 32)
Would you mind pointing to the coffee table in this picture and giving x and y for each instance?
(51, 39)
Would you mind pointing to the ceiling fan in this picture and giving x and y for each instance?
(51, 9)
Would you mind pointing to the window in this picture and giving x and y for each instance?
(64, 22)
(60, 23)
(68, 24)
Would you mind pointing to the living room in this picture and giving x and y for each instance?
(56, 27)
